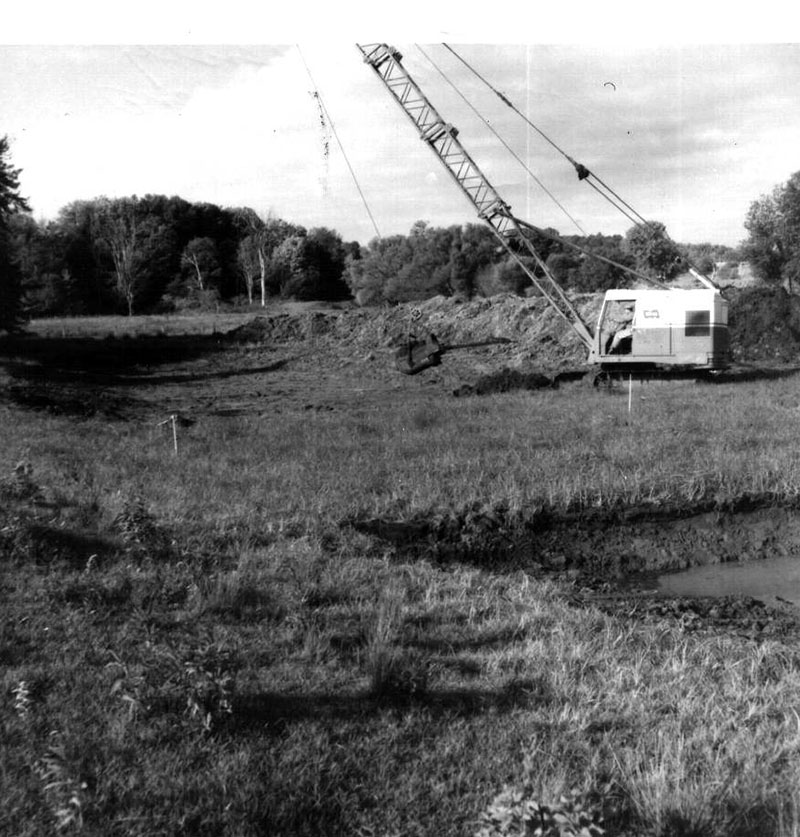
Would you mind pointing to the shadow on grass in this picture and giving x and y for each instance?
(281, 710)
(112, 354)
(84, 377)
(497, 638)
(29, 541)
(69, 400)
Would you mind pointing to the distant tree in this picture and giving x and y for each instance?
(48, 286)
(706, 256)
(328, 252)
(426, 262)
(250, 264)
(428, 271)
(654, 253)
(773, 225)
(473, 248)
(767, 248)
(206, 220)
(512, 278)
(381, 261)
(116, 228)
(294, 272)
(593, 274)
(72, 233)
(11, 203)
(565, 266)
(201, 260)
(261, 237)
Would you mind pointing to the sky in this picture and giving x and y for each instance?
(688, 132)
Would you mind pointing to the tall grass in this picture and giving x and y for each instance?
(557, 450)
(218, 653)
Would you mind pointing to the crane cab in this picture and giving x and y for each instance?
(662, 328)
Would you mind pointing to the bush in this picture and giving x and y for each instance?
(514, 813)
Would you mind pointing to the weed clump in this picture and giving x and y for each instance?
(19, 485)
(514, 812)
(141, 535)
(394, 673)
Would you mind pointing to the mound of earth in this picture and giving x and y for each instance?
(517, 331)
(513, 333)
(764, 325)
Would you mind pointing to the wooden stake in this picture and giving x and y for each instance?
(174, 419)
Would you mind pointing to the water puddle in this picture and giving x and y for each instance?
(765, 579)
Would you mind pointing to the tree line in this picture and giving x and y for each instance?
(159, 254)
(155, 253)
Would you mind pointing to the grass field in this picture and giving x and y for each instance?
(209, 643)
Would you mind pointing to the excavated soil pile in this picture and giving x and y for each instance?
(506, 336)
(509, 330)
(764, 325)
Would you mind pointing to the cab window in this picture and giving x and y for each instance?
(698, 323)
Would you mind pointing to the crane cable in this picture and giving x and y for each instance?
(544, 233)
(505, 144)
(583, 172)
(566, 242)
(321, 103)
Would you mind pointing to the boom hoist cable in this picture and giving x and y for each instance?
(584, 174)
(442, 138)
(553, 237)
(505, 144)
(582, 171)
(325, 115)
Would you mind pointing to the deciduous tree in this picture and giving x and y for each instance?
(766, 247)
(653, 251)
(116, 227)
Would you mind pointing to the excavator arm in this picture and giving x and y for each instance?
(443, 140)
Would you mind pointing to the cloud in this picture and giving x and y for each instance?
(690, 135)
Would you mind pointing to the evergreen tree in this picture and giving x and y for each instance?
(11, 202)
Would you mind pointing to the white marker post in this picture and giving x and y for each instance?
(173, 419)
(630, 392)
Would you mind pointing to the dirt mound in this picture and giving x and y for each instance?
(513, 333)
(517, 331)
(764, 325)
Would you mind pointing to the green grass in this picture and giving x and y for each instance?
(200, 644)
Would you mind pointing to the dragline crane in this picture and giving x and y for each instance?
(636, 330)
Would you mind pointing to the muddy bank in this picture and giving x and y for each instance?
(611, 557)
(602, 544)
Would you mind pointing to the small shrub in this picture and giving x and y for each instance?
(210, 686)
(140, 531)
(515, 813)
(203, 680)
(20, 485)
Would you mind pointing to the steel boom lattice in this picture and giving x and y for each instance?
(491, 208)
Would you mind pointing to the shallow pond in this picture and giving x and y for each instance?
(765, 579)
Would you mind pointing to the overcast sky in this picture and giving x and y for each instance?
(687, 133)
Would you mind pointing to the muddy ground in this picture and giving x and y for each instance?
(343, 360)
